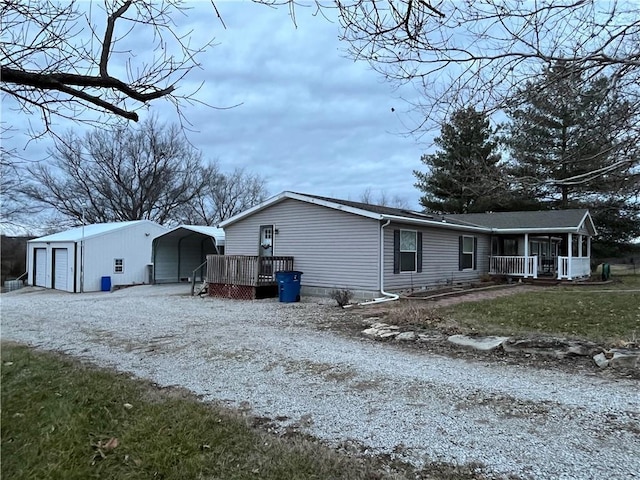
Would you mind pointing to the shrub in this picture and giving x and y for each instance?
(341, 296)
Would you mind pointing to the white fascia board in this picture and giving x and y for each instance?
(587, 216)
(436, 224)
(303, 198)
(535, 230)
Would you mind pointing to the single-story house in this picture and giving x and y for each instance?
(76, 260)
(180, 253)
(371, 249)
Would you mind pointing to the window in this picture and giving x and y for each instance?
(467, 253)
(510, 247)
(118, 265)
(407, 251)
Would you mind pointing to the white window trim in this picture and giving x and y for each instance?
(473, 242)
(415, 252)
(115, 266)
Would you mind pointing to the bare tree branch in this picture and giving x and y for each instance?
(52, 57)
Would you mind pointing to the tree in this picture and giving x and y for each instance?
(56, 61)
(14, 207)
(464, 176)
(464, 52)
(225, 195)
(572, 144)
(120, 174)
(383, 199)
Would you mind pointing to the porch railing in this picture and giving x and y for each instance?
(252, 271)
(573, 267)
(512, 265)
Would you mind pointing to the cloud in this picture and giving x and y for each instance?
(309, 118)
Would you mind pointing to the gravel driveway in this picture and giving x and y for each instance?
(277, 360)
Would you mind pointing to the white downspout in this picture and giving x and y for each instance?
(388, 297)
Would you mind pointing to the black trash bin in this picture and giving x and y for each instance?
(288, 285)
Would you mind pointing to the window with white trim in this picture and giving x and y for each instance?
(466, 255)
(408, 250)
(118, 265)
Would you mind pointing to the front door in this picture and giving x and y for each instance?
(266, 241)
(265, 249)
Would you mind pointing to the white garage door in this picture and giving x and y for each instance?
(60, 262)
(40, 262)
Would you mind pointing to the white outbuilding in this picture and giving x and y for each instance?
(93, 257)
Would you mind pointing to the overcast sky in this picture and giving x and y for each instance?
(311, 120)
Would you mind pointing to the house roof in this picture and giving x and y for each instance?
(77, 234)
(376, 212)
(557, 221)
(570, 220)
(214, 232)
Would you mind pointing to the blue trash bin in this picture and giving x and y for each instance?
(288, 286)
(106, 284)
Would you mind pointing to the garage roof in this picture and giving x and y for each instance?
(93, 230)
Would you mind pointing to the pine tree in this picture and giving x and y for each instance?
(572, 144)
(464, 175)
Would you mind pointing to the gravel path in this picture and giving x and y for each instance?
(276, 360)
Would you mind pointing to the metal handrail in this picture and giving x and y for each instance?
(193, 277)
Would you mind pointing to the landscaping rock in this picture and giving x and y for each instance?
(422, 338)
(618, 358)
(557, 347)
(601, 360)
(478, 343)
(406, 336)
(381, 331)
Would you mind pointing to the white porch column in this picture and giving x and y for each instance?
(569, 254)
(580, 246)
(589, 246)
(526, 255)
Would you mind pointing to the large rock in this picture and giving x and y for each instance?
(478, 343)
(618, 358)
(406, 336)
(557, 347)
(381, 331)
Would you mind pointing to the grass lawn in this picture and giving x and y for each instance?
(602, 313)
(65, 420)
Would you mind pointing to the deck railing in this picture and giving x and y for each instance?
(252, 271)
(512, 265)
(573, 267)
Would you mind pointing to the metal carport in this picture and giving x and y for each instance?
(179, 253)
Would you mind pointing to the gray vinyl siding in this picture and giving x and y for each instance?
(333, 249)
(439, 259)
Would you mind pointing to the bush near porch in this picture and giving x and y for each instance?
(601, 313)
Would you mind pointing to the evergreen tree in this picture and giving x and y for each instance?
(464, 175)
(572, 144)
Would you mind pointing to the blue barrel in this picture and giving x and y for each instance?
(288, 286)
(106, 284)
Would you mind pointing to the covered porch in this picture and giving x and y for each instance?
(564, 256)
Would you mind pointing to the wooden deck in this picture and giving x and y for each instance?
(244, 276)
